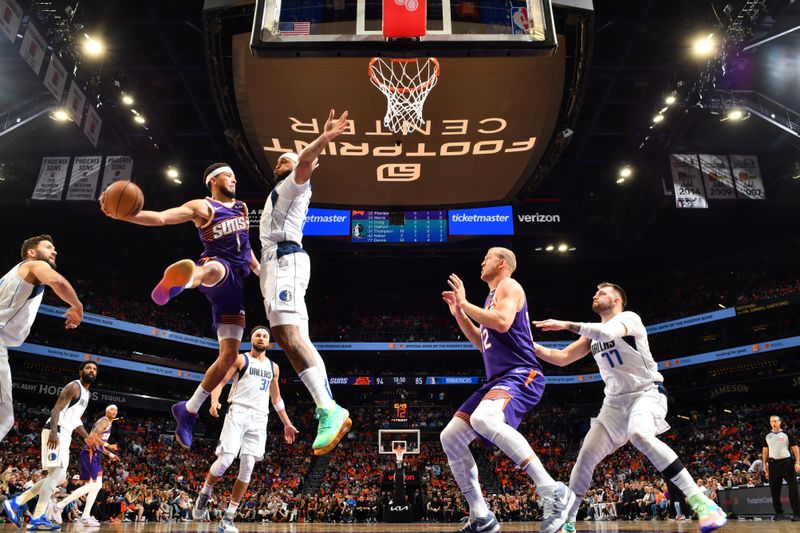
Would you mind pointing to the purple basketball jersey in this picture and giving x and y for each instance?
(503, 352)
(227, 236)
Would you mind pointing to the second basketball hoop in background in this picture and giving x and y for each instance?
(406, 84)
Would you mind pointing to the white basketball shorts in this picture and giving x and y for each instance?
(5, 375)
(243, 433)
(644, 412)
(60, 456)
(284, 282)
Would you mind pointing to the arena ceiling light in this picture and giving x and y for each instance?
(736, 115)
(669, 100)
(139, 119)
(549, 248)
(93, 46)
(173, 173)
(127, 99)
(658, 118)
(625, 172)
(563, 248)
(59, 115)
(620, 181)
(704, 46)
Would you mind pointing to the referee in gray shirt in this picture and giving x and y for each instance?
(778, 465)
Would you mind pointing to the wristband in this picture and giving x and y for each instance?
(280, 406)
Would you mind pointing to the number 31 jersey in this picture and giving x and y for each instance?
(251, 384)
(625, 363)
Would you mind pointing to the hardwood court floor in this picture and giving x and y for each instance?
(733, 526)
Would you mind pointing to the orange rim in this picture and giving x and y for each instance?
(428, 83)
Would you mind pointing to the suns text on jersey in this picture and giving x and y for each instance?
(230, 226)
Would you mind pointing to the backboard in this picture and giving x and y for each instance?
(357, 27)
(388, 439)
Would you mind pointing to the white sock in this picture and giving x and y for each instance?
(683, 480)
(535, 469)
(597, 445)
(6, 418)
(51, 482)
(455, 438)
(77, 493)
(196, 401)
(31, 493)
(230, 512)
(317, 384)
(207, 489)
(95, 485)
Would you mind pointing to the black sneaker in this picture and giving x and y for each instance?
(778, 517)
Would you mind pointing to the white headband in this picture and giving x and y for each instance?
(291, 156)
(112, 406)
(217, 172)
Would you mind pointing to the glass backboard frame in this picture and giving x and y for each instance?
(387, 438)
(267, 39)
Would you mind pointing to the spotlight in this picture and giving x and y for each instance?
(549, 248)
(572, 248)
(735, 114)
(658, 118)
(139, 119)
(537, 249)
(176, 181)
(704, 46)
(669, 100)
(173, 173)
(625, 172)
(620, 181)
(93, 47)
(59, 115)
(563, 248)
(127, 99)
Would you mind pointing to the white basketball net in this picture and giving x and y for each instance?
(406, 84)
(399, 452)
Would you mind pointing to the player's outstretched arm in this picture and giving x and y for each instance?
(603, 332)
(570, 354)
(467, 326)
(196, 211)
(307, 157)
(289, 431)
(507, 299)
(45, 274)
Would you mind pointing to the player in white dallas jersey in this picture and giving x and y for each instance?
(21, 291)
(285, 273)
(635, 405)
(244, 433)
(64, 419)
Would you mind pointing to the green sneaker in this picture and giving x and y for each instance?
(334, 423)
(709, 515)
(569, 527)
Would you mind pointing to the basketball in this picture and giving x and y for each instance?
(123, 199)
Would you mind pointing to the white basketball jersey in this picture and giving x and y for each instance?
(284, 214)
(251, 384)
(19, 303)
(626, 364)
(71, 416)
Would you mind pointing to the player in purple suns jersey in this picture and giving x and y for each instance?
(514, 386)
(227, 259)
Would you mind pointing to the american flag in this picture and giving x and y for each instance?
(295, 28)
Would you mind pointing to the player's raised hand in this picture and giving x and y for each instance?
(290, 433)
(74, 316)
(551, 324)
(333, 126)
(450, 299)
(459, 292)
(214, 409)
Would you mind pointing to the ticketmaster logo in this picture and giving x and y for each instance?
(326, 218)
(460, 217)
(536, 217)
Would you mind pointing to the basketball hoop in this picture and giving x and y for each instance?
(399, 451)
(406, 84)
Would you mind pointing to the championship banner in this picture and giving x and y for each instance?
(55, 79)
(10, 18)
(33, 48)
(717, 177)
(118, 168)
(51, 180)
(92, 125)
(688, 181)
(747, 176)
(75, 102)
(83, 180)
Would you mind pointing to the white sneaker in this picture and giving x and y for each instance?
(53, 513)
(226, 526)
(89, 521)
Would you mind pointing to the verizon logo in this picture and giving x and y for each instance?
(536, 217)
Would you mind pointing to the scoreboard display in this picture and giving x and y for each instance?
(400, 227)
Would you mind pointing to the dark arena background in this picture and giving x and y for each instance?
(651, 144)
